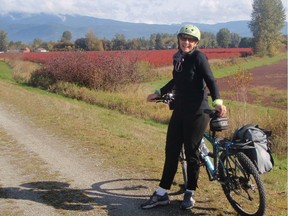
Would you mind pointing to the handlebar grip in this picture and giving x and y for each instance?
(211, 113)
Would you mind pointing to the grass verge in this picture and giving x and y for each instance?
(136, 145)
(122, 132)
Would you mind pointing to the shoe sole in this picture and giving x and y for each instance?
(161, 203)
(187, 208)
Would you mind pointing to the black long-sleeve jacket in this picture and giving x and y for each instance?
(191, 76)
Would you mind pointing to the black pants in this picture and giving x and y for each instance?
(187, 129)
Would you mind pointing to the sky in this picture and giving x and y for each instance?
(141, 11)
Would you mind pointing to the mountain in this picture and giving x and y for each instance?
(26, 27)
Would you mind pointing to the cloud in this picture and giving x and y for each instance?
(156, 11)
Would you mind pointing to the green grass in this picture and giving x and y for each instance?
(134, 142)
(132, 103)
(6, 71)
(246, 64)
(278, 175)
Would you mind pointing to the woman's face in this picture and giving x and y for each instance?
(187, 44)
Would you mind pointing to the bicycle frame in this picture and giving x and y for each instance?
(218, 147)
(206, 156)
(211, 166)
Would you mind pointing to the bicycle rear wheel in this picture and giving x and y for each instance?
(243, 186)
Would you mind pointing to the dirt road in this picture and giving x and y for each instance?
(42, 174)
(61, 180)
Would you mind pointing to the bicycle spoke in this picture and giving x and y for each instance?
(243, 186)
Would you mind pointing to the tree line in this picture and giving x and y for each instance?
(267, 20)
(158, 41)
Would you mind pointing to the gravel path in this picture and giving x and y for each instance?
(45, 175)
(42, 174)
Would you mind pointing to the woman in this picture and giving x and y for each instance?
(191, 78)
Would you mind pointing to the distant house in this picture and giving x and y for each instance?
(41, 50)
(24, 50)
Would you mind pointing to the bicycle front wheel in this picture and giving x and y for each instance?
(242, 185)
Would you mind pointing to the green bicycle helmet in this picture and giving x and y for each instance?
(190, 30)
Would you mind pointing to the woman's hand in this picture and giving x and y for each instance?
(152, 97)
(221, 109)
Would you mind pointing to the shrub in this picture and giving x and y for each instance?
(104, 72)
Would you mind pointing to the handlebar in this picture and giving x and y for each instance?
(167, 98)
(212, 113)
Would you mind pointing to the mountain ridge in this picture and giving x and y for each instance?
(27, 27)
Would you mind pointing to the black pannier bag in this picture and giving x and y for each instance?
(256, 145)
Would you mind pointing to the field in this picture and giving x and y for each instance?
(157, 58)
(267, 85)
(70, 144)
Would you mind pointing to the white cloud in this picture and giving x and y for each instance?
(156, 11)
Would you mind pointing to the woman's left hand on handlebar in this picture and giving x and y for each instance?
(221, 109)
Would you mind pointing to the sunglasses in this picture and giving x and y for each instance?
(190, 40)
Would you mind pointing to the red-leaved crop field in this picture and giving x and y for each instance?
(157, 58)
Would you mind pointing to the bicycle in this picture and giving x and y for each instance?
(229, 165)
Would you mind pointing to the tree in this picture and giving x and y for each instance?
(235, 40)
(92, 42)
(66, 36)
(16, 45)
(159, 42)
(169, 41)
(37, 42)
(133, 44)
(3, 41)
(143, 43)
(268, 18)
(162, 41)
(63, 46)
(48, 45)
(107, 44)
(223, 38)
(119, 42)
(81, 43)
(246, 42)
(208, 39)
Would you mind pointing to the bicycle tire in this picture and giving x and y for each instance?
(242, 186)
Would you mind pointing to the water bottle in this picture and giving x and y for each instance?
(204, 151)
(203, 148)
